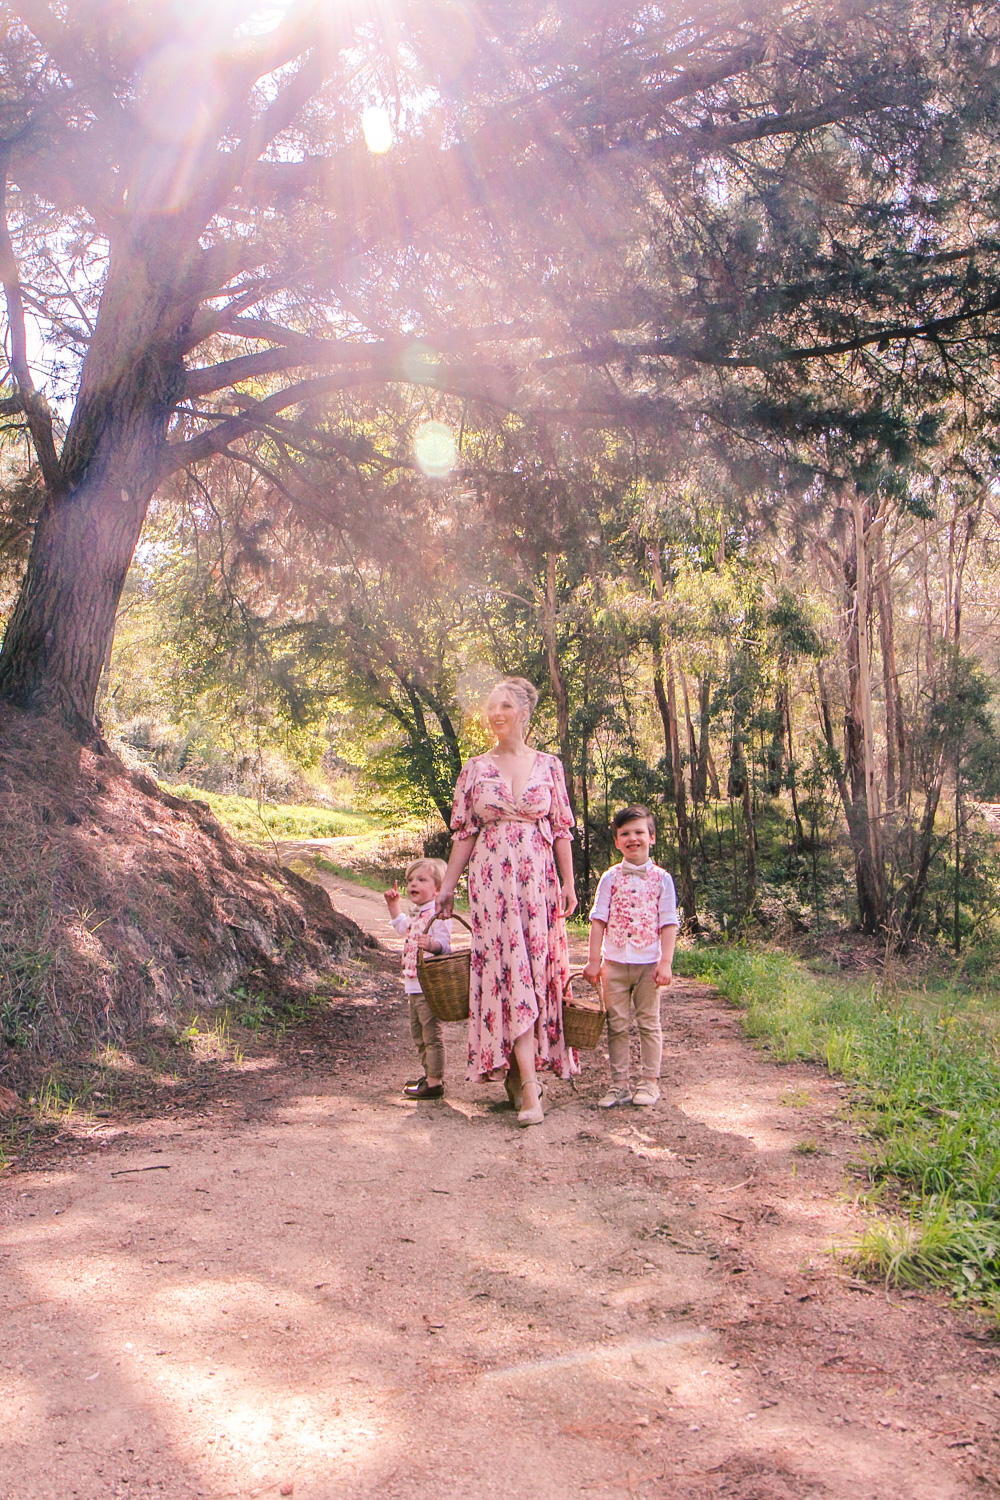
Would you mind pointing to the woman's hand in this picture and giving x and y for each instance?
(445, 903)
(568, 902)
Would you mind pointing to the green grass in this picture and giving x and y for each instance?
(373, 881)
(242, 817)
(925, 1063)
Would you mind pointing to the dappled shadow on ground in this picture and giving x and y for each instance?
(359, 1296)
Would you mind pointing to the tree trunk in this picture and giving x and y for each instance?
(704, 709)
(680, 804)
(713, 775)
(800, 838)
(557, 683)
(666, 697)
(61, 629)
(869, 910)
(860, 730)
(585, 808)
(692, 742)
(896, 765)
(924, 850)
(660, 694)
(750, 834)
(775, 771)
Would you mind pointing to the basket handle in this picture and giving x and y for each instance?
(435, 918)
(598, 988)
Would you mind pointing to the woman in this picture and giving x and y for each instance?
(511, 824)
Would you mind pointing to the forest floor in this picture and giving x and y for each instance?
(294, 1281)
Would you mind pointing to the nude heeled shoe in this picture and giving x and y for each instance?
(535, 1115)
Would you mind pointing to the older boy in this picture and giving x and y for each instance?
(634, 921)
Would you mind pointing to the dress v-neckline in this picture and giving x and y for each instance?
(515, 798)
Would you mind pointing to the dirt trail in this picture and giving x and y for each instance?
(315, 1283)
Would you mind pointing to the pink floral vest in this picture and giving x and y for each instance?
(413, 932)
(634, 913)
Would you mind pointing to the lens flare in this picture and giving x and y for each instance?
(435, 449)
(377, 129)
(421, 364)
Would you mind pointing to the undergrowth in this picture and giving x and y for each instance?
(924, 1063)
(257, 823)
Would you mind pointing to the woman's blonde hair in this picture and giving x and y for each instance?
(523, 692)
(437, 868)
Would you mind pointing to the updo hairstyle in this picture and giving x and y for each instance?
(523, 692)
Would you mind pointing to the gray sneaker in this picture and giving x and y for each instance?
(647, 1093)
(615, 1096)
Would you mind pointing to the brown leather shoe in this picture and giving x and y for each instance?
(424, 1090)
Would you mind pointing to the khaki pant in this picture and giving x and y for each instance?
(425, 1029)
(628, 986)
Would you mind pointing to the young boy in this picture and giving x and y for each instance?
(634, 919)
(423, 881)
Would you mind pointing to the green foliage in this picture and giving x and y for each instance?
(258, 824)
(925, 1064)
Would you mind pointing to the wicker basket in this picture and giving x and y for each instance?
(583, 1020)
(444, 979)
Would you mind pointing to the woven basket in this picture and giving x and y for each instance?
(583, 1020)
(444, 979)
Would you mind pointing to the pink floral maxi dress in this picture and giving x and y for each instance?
(520, 959)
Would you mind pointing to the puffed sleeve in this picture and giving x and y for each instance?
(560, 814)
(463, 819)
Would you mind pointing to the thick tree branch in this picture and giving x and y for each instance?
(610, 350)
(301, 351)
(254, 415)
(231, 166)
(230, 372)
(34, 405)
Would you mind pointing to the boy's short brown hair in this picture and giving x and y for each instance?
(437, 868)
(634, 813)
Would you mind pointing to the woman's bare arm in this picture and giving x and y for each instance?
(461, 853)
(563, 851)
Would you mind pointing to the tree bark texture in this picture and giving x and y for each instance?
(692, 742)
(800, 838)
(688, 902)
(863, 820)
(704, 713)
(660, 694)
(896, 764)
(60, 631)
(776, 749)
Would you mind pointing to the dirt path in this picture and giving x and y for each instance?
(313, 1283)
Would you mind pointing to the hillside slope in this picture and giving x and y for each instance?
(119, 902)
